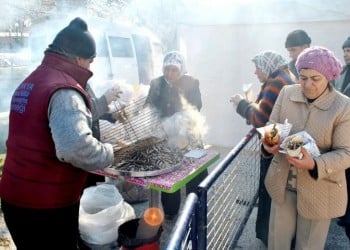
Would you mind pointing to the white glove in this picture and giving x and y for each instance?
(235, 99)
(113, 93)
(120, 116)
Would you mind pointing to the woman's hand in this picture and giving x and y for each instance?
(236, 99)
(305, 161)
(271, 149)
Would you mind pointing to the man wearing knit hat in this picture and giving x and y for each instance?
(296, 42)
(342, 83)
(309, 190)
(51, 146)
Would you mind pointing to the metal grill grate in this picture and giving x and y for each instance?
(137, 122)
(140, 142)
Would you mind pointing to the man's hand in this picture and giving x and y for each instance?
(120, 116)
(113, 93)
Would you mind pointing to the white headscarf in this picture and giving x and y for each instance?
(175, 58)
(269, 62)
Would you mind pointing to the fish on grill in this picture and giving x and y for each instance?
(148, 158)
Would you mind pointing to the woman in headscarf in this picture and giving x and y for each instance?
(272, 71)
(308, 191)
(166, 91)
(171, 93)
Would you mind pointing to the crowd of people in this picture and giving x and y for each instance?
(54, 141)
(310, 190)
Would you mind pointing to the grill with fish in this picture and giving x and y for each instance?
(140, 143)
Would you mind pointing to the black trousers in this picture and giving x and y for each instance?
(42, 229)
(264, 204)
(171, 201)
(346, 217)
(93, 179)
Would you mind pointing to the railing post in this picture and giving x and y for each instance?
(194, 229)
(202, 218)
(181, 227)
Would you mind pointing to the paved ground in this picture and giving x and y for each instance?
(336, 240)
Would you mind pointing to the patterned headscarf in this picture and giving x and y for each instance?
(175, 58)
(269, 62)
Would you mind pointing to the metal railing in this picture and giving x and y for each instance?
(215, 217)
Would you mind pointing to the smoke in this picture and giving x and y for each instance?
(4, 122)
(186, 128)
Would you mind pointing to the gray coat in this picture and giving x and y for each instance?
(327, 120)
(338, 83)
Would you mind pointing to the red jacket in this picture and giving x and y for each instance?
(33, 177)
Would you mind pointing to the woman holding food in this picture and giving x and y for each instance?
(308, 191)
(272, 71)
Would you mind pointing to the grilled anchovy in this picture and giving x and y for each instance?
(274, 131)
(156, 156)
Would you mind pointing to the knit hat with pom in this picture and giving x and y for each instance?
(320, 59)
(75, 40)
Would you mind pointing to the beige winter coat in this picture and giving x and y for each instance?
(327, 120)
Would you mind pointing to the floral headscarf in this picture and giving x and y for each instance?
(269, 62)
(175, 58)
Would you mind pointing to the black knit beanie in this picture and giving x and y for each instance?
(297, 38)
(75, 40)
(346, 44)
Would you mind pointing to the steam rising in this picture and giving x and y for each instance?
(185, 128)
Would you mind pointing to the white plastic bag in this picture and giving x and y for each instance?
(102, 211)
